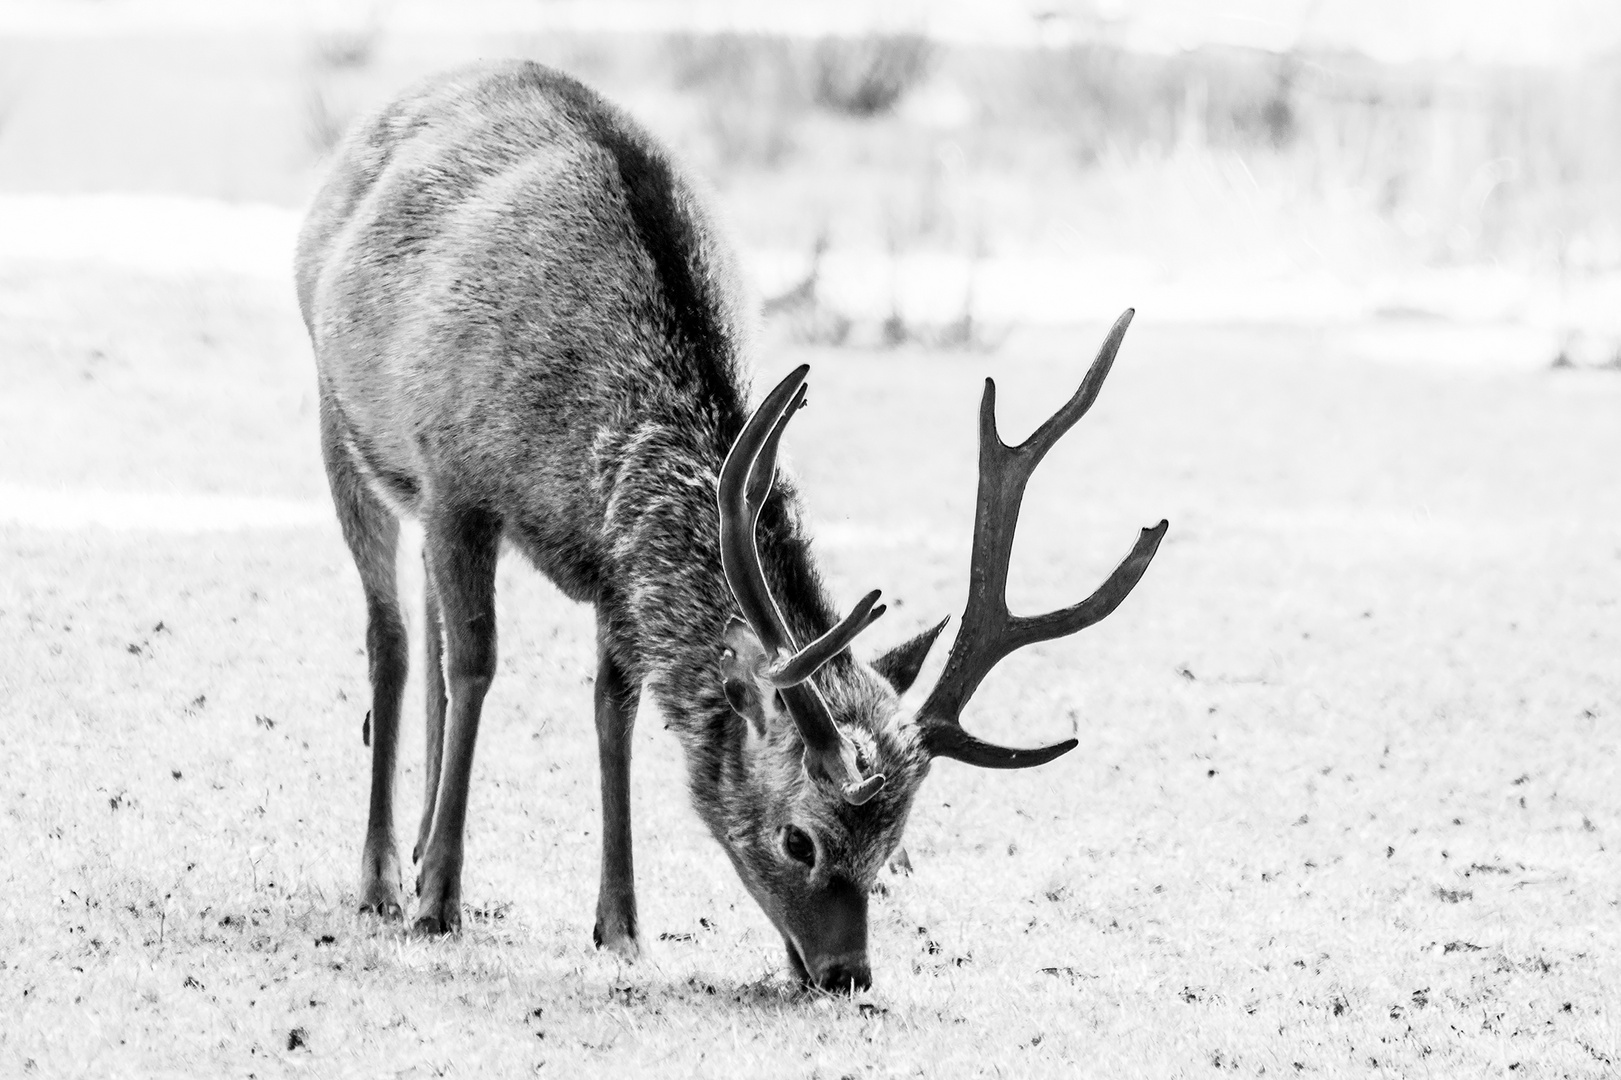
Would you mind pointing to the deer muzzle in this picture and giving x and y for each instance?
(830, 949)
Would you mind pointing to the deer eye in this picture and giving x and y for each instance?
(797, 843)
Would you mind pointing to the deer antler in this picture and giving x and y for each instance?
(988, 631)
(745, 481)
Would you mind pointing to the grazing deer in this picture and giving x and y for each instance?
(528, 331)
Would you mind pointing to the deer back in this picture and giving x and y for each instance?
(507, 282)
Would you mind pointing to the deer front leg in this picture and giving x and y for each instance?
(462, 553)
(616, 702)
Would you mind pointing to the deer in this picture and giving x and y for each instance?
(530, 333)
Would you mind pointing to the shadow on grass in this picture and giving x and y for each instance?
(767, 993)
(495, 948)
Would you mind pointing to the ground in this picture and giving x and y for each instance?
(1344, 801)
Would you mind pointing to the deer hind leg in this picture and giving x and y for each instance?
(372, 533)
(434, 678)
(461, 552)
(616, 699)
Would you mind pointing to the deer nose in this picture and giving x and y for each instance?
(844, 974)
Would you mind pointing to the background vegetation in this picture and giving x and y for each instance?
(904, 136)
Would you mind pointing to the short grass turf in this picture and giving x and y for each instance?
(1344, 804)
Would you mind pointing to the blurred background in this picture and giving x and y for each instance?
(1442, 175)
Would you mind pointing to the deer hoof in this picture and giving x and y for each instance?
(388, 910)
(440, 909)
(623, 945)
(380, 892)
(381, 896)
(434, 923)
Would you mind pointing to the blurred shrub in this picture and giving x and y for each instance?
(867, 76)
(755, 89)
(336, 65)
(731, 62)
(1250, 104)
(324, 125)
(1094, 96)
(1464, 161)
(1101, 96)
(346, 50)
(751, 90)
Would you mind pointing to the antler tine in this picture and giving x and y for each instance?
(988, 632)
(763, 473)
(1048, 434)
(805, 663)
(1029, 629)
(745, 481)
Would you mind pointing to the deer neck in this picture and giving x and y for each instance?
(673, 602)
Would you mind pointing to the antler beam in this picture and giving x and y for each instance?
(988, 631)
(745, 482)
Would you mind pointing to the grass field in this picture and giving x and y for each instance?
(1345, 801)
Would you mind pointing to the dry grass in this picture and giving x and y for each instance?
(1344, 803)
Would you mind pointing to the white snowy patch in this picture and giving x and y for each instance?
(70, 509)
(1467, 314)
(158, 234)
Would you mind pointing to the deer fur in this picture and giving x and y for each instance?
(530, 332)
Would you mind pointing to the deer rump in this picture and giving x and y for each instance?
(527, 328)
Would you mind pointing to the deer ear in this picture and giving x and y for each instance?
(742, 666)
(900, 665)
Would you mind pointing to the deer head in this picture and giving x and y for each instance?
(836, 761)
